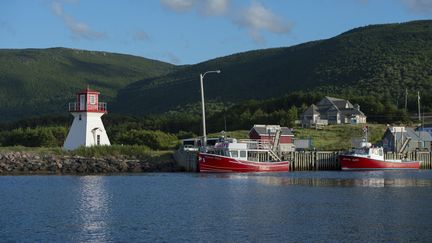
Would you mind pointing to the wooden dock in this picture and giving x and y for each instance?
(424, 157)
(311, 160)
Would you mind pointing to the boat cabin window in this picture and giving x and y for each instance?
(212, 141)
(222, 152)
(242, 153)
(234, 153)
(189, 142)
(380, 152)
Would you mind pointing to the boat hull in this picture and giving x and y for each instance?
(361, 163)
(218, 163)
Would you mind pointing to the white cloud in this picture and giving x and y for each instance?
(206, 7)
(256, 18)
(214, 7)
(77, 28)
(81, 29)
(421, 6)
(141, 36)
(170, 57)
(57, 8)
(178, 5)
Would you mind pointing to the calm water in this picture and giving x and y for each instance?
(297, 206)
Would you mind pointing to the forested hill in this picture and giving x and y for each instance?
(43, 81)
(377, 60)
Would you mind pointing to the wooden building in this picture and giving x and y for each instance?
(282, 136)
(406, 139)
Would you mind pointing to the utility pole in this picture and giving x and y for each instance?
(418, 104)
(406, 99)
(203, 107)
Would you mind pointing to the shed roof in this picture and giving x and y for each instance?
(414, 135)
(264, 130)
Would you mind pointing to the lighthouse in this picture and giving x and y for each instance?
(87, 128)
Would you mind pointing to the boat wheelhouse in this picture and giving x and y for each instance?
(246, 149)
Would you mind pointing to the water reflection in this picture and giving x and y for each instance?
(93, 209)
(332, 182)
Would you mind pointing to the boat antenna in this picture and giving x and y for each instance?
(365, 131)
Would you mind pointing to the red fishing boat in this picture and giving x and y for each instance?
(230, 155)
(372, 158)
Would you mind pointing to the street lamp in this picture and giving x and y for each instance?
(203, 107)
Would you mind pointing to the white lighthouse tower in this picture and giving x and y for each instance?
(87, 127)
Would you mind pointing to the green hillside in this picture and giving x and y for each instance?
(43, 81)
(378, 60)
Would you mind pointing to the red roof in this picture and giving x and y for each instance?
(88, 90)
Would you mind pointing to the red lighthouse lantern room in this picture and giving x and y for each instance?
(88, 101)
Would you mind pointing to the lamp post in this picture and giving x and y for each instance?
(203, 106)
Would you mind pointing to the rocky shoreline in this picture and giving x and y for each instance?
(33, 163)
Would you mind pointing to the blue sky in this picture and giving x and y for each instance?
(191, 31)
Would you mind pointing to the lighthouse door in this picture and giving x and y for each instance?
(82, 102)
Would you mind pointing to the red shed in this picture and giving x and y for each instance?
(268, 132)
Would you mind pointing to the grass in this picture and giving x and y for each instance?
(338, 137)
(333, 137)
(38, 150)
(239, 134)
(126, 151)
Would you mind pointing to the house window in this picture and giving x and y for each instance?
(79, 117)
(92, 99)
(98, 139)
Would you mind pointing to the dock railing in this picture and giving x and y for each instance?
(256, 143)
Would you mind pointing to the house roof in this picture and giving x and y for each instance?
(263, 130)
(340, 103)
(312, 110)
(351, 111)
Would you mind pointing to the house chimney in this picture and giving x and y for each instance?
(357, 107)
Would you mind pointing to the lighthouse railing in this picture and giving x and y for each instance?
(76, 107)
(102, 106)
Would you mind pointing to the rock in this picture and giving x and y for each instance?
(82, 168)
(29, 162)
(122, 166)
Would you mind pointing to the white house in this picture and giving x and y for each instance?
(332, 111)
